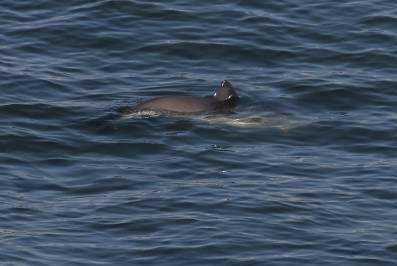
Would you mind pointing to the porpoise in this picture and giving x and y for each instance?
(223, 100)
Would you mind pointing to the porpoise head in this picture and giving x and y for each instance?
(226, 94)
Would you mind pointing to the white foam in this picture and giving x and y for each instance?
(140, 114)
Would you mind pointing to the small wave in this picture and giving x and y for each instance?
(378, 20)
(251, 121)
(241, 120)
(339, 98)
(34, 110)
(215, 50)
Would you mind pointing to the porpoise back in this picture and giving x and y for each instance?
(223, 100)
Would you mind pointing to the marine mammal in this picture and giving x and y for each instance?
(223, 100)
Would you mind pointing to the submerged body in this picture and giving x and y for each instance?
(223, 100)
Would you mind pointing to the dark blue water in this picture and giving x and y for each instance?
(311, 181)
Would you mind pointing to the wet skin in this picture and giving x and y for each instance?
(223, 100)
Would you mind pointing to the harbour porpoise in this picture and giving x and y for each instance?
(223, 100)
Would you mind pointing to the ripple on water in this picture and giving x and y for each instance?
(303, 173)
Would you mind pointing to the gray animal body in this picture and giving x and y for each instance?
(223, 100)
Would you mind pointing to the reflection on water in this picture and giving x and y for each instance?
(243, 120)
(84, 183)
(251, 121)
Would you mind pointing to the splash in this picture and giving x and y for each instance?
(139, 114)
(244, 120)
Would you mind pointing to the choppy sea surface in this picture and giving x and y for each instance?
(304, 172)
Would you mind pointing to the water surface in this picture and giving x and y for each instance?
(312, 181)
